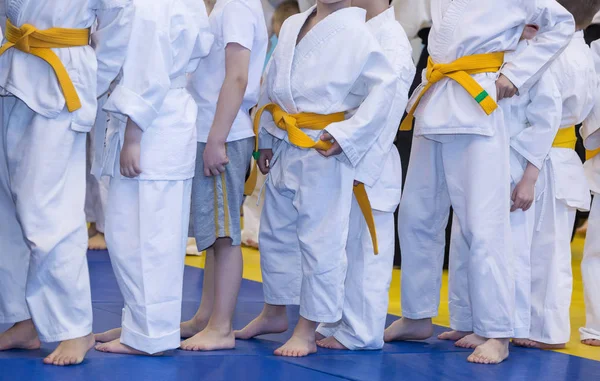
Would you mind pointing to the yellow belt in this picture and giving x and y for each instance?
(589, 155)
(461, 71)
(39, 43)
(565, 138)
(293, 124)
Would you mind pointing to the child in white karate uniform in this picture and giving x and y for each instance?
(311, 150)
(44, 282)
(150, 156)
(370, 273)
(460, 158)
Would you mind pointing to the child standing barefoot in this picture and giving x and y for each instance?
(150, 156)
(326, 64)
(226, 86)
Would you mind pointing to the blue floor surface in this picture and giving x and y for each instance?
(253, 360)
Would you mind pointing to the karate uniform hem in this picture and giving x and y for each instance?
(283, 301)
(345, 338)
(419, 315)
(588, 334)
(328, 332)
(463, 326)
(72, 334)
(320, 318)
(424, 131)
(543, 340)
(13, 319)
(494, 334)
(522, 333)
(150, 345)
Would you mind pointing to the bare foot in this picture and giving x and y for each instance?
(263, 325)
(22, 335)
(318, 336)
(331, 343)
(453, 335)
(297, 346)
(471, 341)
(71, 352)
(192, 327)
(536, 344)
(191, 248)
(108, 336)
(209, 340)
(97, 242)
(493, 351)
(250, 243)
(408, 329)
(592, 342)
(115, 346)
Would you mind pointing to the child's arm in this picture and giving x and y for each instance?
(556, 28)
(111, 38)
(356, 135)
(544, 115)
(524, 192)
(238, 28)
(237, 62)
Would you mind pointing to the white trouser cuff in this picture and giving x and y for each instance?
(320, 318)
(495, 334)
(354, 343)
(589, 334)
(522, 333)
(150, 345)
(72, 334)
(419, 315)
(282, 301)
(328, 330)
(461, 325)
(14, 318)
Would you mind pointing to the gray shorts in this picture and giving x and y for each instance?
(217, 200)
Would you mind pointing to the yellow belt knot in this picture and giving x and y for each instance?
(460, 71)
(293, 124)
(28, 39)
(565, 138)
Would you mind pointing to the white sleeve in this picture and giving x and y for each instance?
(238, 26)
(265, 139)
(556, 29)
(357, 134)
(204, 41)
(145, 81)
(110, 39)
(400, 55)
(590, 130)
(544, 114)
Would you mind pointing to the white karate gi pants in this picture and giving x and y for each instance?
(551, 272)
(303, 232)
(461, 317)
(590, 270)
(43, 235)
(471, 173)
(146, 233)
(367, 283)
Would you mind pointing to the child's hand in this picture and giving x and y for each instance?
(130, 153)
(215, 158)
(264, 160)
(523, 195)
(335, 148)
(504, 88)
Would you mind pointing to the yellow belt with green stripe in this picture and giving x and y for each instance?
(40, 43)
(293, 124)
(461, 71)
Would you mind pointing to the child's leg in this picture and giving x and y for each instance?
(146, 233)
(280, 258)
(367, 285)
(14, 260)
(423, 217)
(478, 179)
(207, 301)
(461, 316)
(320, 230)
(217, 201)
(551, 276)
(590, 270)
(46, 162)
